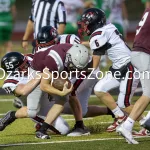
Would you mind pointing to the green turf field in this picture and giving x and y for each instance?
(20, 135)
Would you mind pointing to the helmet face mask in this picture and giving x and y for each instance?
(91, 20)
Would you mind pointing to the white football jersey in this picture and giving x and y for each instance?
(64, 38)
(12, 82)
(69, 38)
(119, 53)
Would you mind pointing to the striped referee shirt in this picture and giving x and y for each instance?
(47, 12)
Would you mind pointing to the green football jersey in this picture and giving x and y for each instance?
(5, 10)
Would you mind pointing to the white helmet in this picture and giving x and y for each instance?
(77, 57)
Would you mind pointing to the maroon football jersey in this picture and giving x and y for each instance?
(52, 58)
(142, 38)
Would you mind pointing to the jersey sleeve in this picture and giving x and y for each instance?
(74, 39)
(97, 40)
(10, 85)
(61, 11)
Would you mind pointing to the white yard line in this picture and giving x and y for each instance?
(6, 100)
(83, 119)
(73, 141)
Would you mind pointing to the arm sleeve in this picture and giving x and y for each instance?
(61, 11)
(10, 85)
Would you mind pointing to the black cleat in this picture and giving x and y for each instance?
(41, 135)
(6, 120)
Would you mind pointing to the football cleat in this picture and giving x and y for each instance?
(116, 123)
(76, 131)
(42, 135)
(143, 132)
(126, 134)
(6, 120)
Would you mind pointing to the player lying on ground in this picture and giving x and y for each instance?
(21, 85)
(55, 91)
(105, 39)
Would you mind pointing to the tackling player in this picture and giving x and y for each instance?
(105, 39)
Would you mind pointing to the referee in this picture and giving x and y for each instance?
(43, 13)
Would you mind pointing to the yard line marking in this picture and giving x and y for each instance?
(83, 119)
(73, 141)
(2, 114)
(6, 100)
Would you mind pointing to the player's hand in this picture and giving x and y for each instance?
(25, 45)
(65, 90)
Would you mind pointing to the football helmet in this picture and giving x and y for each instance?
(14, 61)
(47, 36)
(77, 57)
(91, 19)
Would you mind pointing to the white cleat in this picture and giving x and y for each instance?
(126, 134)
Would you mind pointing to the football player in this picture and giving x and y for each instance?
(106, 40)
(20, 85)
(62, 49)
(140, 58)
(82, 88)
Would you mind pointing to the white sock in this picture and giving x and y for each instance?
(128, 124)
(118, 112)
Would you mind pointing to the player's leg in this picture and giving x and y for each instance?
(141, 61)
(53, 113)
(59, 124)
(101, 90)
(7, 37)
(127, 88)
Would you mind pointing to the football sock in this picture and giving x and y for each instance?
(128, 124)
(44, 127)
(79, 124)
(117, 112)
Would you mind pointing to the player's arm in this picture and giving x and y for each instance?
(86, 43)
(48, 88)
(147, 5)
(61, 11)
(61, 28)
(28, 32)
(25, 89)
(125, 14)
